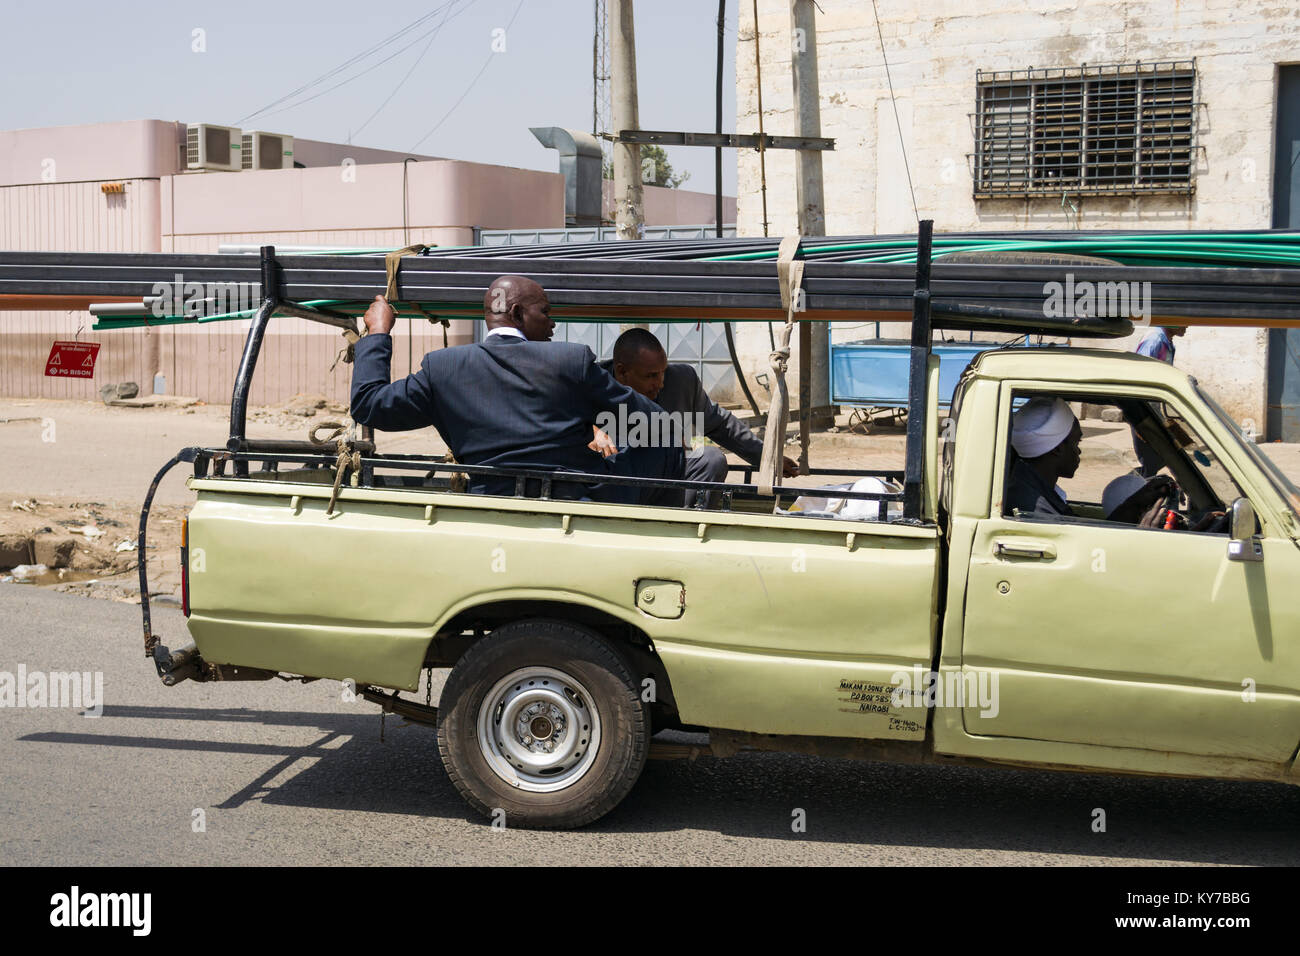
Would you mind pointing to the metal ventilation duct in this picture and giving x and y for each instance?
(580, 162)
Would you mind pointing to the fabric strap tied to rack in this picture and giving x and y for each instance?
(789, 271)
(392, 263)
(349, 458)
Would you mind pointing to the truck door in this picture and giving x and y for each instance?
(1116, 636)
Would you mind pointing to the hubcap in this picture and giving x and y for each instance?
(538, 729)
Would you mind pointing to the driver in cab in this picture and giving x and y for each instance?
(1046, 438)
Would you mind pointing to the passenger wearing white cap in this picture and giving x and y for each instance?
(1145, 502)
(1045, 436)
(1133, 499)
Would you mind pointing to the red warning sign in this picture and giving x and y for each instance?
(72, 360)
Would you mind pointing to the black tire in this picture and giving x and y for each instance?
(483, 769)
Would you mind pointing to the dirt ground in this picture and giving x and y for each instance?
(79, 471)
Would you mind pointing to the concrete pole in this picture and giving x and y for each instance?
(814, 349)
(807, 109)
(629, 215)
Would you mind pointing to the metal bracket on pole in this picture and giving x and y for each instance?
(318, 314)
(725, 140)
(917, 404)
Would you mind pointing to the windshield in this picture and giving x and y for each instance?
(1285, 487)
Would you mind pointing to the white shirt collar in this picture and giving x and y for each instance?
(505, 330)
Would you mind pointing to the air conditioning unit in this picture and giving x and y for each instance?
(267, 150)
(212, 147)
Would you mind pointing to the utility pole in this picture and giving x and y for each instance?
(600, 79)
(814, 344)
(807, 109)
(717, 111)
(629, 215)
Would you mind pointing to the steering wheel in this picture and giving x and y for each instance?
(1218, 526)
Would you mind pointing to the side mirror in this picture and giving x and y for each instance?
(1243, 545)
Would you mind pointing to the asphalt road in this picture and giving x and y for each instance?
(291, 774)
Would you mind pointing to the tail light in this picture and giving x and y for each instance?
(185, 566)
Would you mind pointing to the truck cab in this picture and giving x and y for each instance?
(1116, 646)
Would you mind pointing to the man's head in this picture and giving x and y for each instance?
(1046, 434)
(640, 362)
(1173, 331)
(518, 303)
(1118, 500)
(1130, 496)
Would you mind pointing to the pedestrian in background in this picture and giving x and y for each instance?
(1158, 344)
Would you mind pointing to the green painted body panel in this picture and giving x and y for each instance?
(1129, 649)
(779, 611)
(796, 626)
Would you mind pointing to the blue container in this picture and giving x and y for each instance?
(874, 373)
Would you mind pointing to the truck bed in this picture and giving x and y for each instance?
(827, 609)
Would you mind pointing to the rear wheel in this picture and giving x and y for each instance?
(541, 725)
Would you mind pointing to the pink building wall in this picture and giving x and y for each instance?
(673, 207)
(137, 149)
(75, 217)
(441, 195)
(50, 199)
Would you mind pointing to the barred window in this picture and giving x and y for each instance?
(1121, 129)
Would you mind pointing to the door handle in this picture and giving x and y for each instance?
(1024, 548)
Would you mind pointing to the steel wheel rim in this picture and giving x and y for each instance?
(538, 729)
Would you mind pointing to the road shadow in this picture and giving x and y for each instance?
(347, 767)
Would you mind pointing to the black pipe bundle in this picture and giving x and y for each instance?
(682, 281)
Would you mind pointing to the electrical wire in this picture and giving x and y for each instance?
(379, 109)
(357, 76)
(482, 70)
(897, 122)
(348, 62)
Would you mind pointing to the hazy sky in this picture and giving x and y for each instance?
(77, 62)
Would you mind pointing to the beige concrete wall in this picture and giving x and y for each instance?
(934, 51)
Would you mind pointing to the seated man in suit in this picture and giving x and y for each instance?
(514, 400)
(640, 362)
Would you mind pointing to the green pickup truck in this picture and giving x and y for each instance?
(964, 634)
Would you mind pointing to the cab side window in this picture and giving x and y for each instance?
(1115, 459)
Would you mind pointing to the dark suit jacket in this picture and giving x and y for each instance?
(1029, 494)
(505, 401)
(684, 392)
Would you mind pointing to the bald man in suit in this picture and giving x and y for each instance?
(514, 400)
